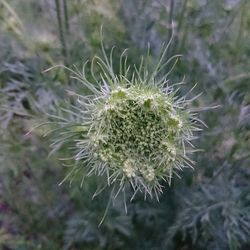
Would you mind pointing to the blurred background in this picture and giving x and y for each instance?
(208, 208)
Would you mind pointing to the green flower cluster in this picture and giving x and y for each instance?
(137, 131)
(133, 128)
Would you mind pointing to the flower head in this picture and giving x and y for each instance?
(133, 128)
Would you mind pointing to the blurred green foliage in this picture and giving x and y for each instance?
(209, 208)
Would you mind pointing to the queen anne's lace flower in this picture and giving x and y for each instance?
(133, 127)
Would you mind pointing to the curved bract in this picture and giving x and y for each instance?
(133, 128)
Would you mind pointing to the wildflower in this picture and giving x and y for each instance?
(135, 128)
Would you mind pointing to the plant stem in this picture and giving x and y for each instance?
(62, 35)
(66, 16)
(170, 26)
(170, 20)
(180, 43)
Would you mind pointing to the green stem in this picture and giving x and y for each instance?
(170, 21)
(62, 35)
(66, 16)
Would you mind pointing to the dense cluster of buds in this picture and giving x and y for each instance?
(133, 128)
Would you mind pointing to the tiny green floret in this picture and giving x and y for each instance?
(133, 128)
(138, 133)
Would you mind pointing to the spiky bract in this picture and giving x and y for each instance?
(133, 128)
